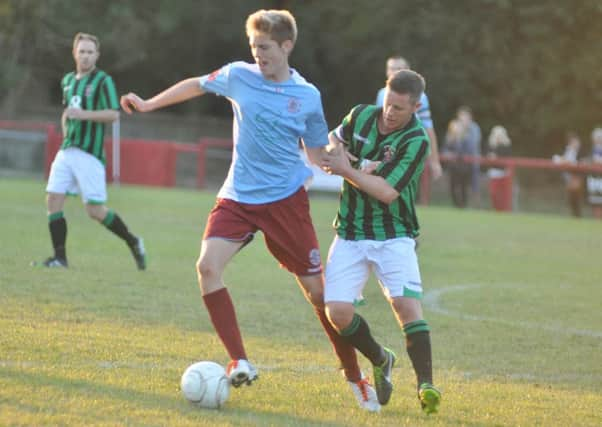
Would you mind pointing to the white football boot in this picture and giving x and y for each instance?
(365, 394)
(240, 372)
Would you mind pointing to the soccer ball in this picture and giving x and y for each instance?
(205, 384)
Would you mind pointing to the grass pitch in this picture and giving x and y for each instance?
(513, 302)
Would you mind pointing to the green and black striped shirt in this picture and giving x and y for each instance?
(402, 153)
(94, 91)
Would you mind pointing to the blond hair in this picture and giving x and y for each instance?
(85, 36)
(499, 136)
(455, 131)
(280, 25)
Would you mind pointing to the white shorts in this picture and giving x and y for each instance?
(393, 261)
(74, 171)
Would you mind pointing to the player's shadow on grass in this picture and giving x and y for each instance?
(88, 393)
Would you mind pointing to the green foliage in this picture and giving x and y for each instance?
(512, 300)
(532, 66)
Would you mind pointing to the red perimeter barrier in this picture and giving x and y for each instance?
(143, 162)
(510, 164)
(204, 144)
(148, 162)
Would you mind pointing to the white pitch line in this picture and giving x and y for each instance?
(432, 301)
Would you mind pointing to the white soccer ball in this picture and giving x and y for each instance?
(205, 384)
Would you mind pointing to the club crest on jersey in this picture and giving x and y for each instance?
(387, 154)
(88, 90)
(293, 106)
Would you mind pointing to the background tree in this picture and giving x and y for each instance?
(532, 66)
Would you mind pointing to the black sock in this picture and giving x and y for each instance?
(418, 346)
(58, 234)
(358, 335)
(114, 223)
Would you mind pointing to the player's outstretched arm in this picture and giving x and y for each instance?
(180, 92)
(102, 116)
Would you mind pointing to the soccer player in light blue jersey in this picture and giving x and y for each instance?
(274, 107)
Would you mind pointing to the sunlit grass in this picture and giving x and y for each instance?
(513, 302)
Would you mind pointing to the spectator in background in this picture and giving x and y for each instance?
(572, 181)
(473, 141)
(456, 145)
(500, 182)
(394, 64)
(594, 181)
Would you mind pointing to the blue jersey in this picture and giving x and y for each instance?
(423, 113)
(269, 120)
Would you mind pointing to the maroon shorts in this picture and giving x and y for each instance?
(286, 225)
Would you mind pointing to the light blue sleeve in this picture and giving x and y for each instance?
(217, 82)
(316, 132)
(424, 112)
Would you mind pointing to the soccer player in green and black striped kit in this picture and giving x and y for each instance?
(376, 226)
(90, 99)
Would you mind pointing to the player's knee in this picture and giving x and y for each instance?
(340, 315)
(397, 304)
(316, 297)
(94, 214)
(206, 269)
(407, 309)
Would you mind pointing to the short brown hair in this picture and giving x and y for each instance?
(85, 36)
(279, 24)
(407, 82)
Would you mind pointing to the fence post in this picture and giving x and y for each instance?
(116, 151)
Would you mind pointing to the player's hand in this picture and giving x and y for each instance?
(350, 156)
(131, 102)
(436, 170)
(369, 166)
(336, 161)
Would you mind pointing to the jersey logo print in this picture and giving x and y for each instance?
(75, 101)
(276, 89)
(267, 126)
(361, 139)
(88, 90)
(213, 75)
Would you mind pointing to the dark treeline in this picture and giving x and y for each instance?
(533, 66)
